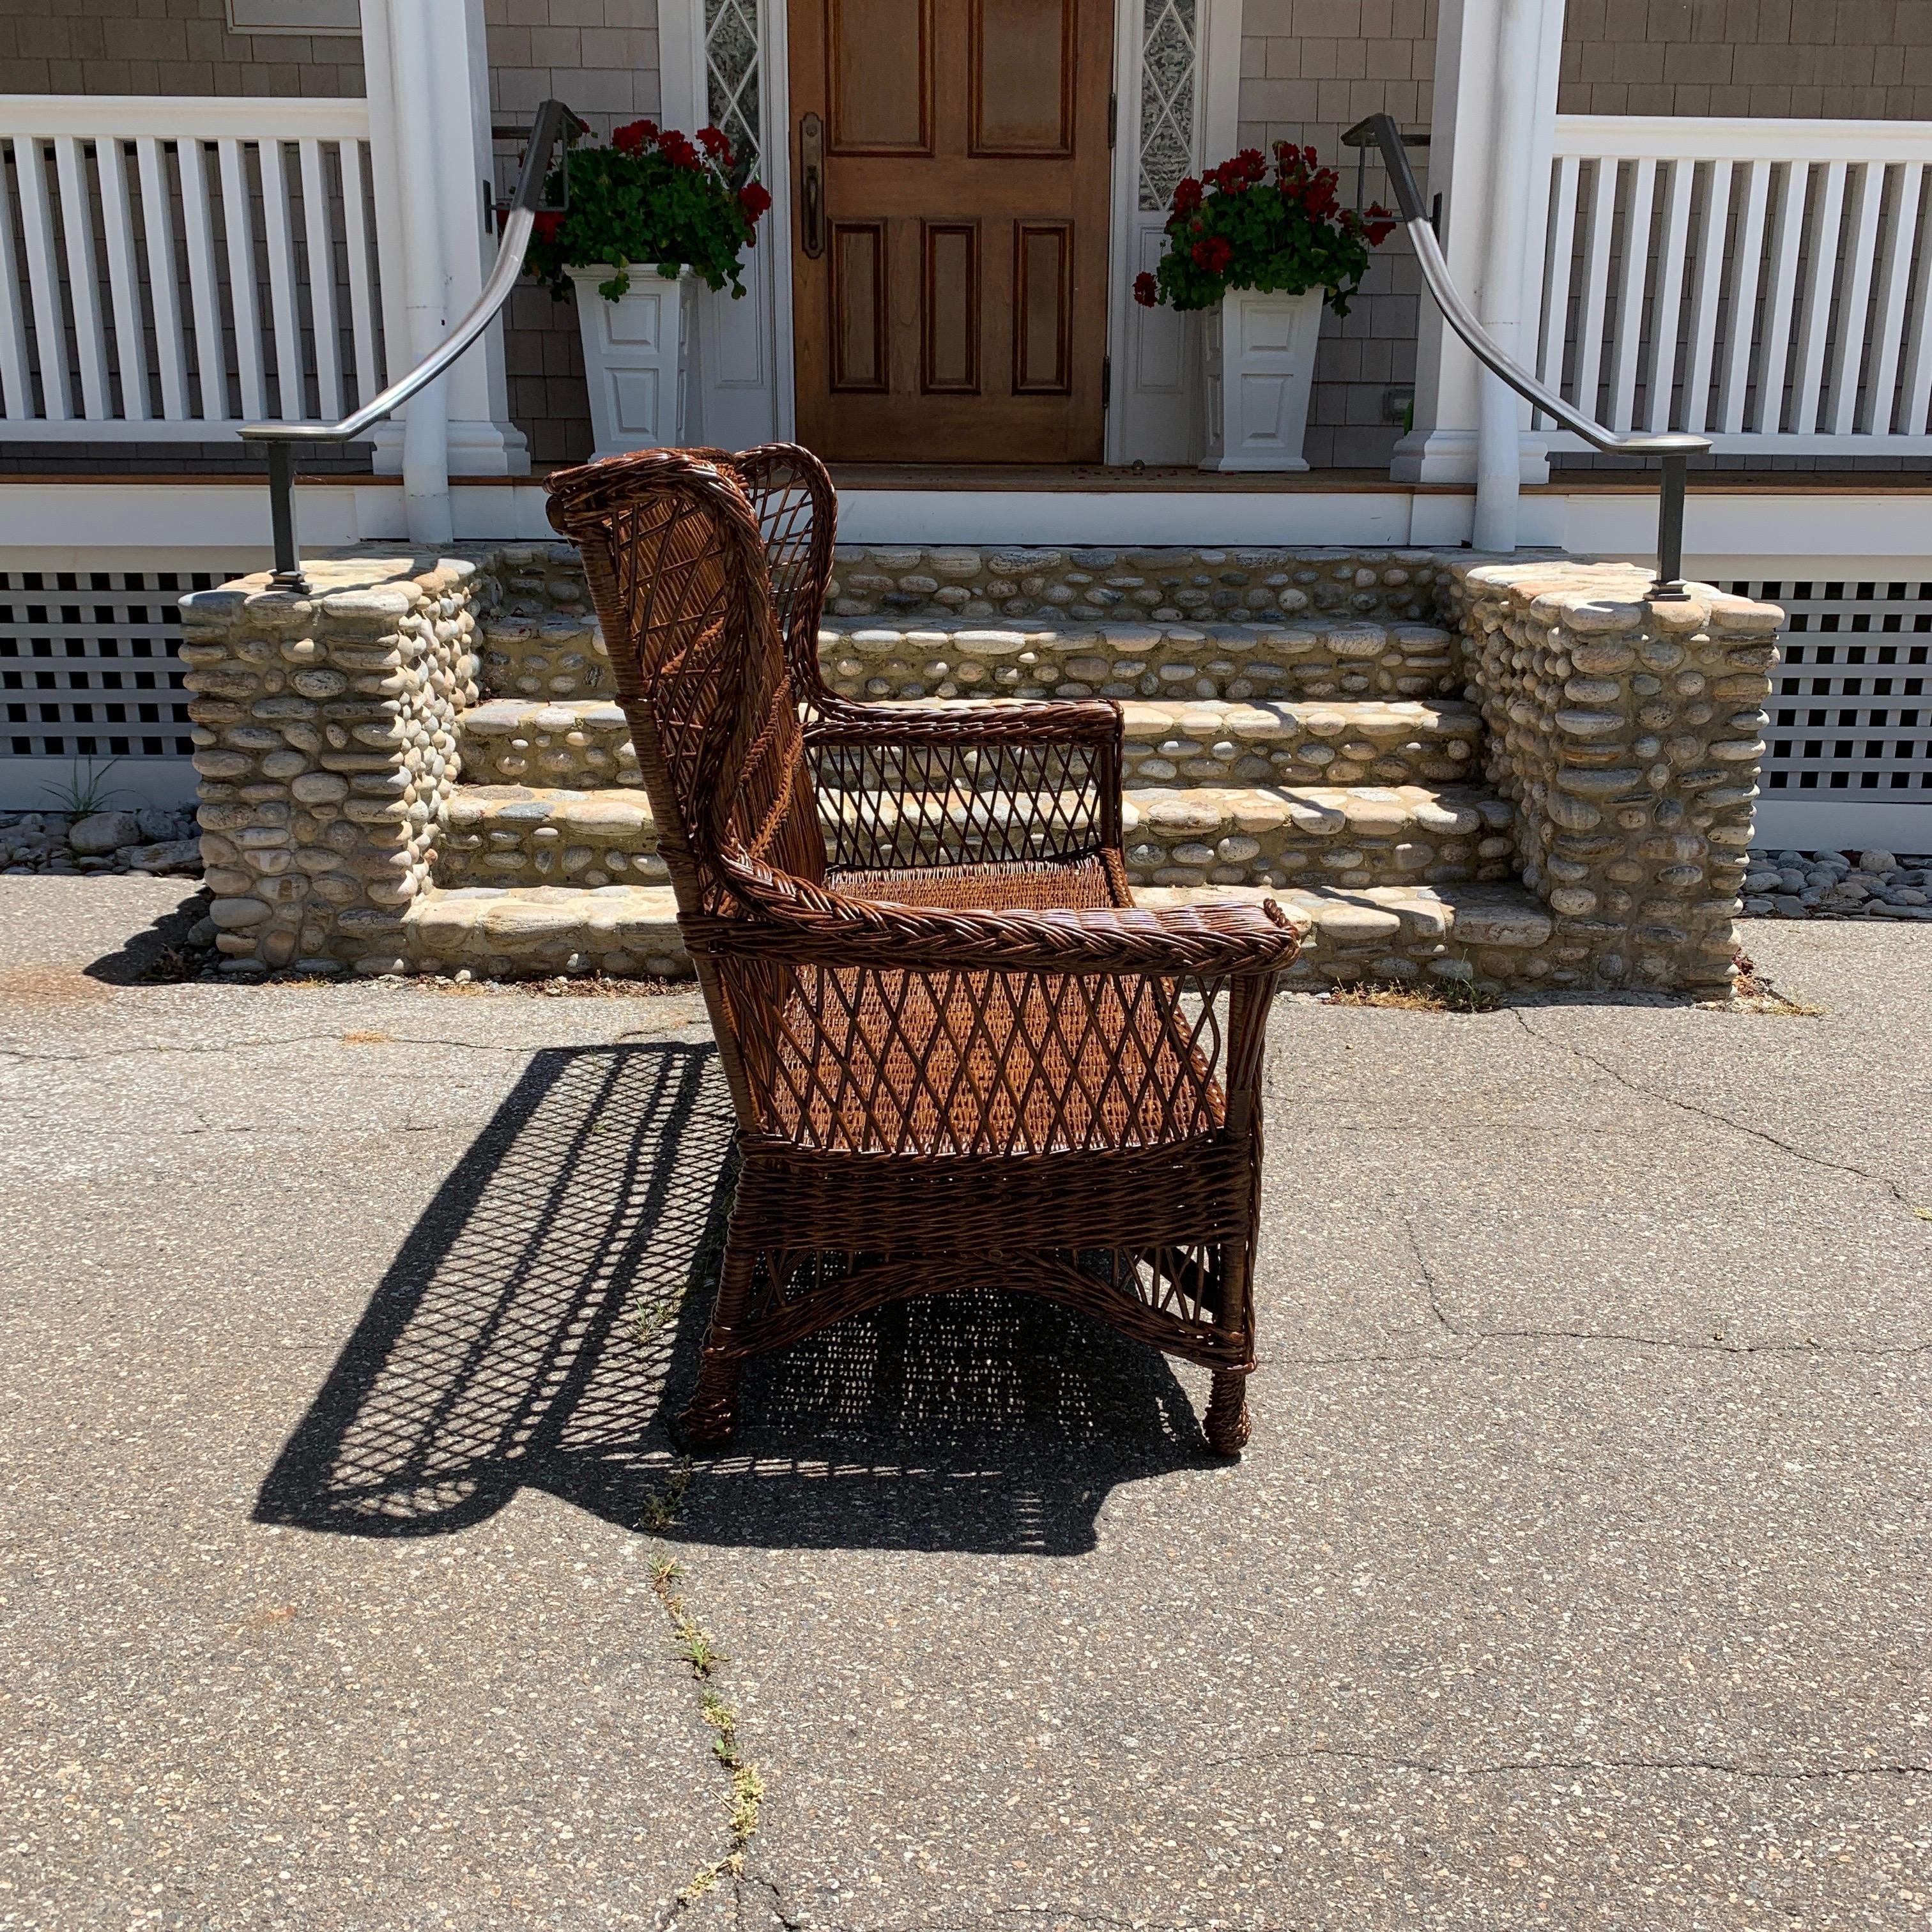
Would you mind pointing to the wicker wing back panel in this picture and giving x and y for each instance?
(675, 562)
(797, 510)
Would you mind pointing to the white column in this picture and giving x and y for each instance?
(427, 77)
(1496, 68)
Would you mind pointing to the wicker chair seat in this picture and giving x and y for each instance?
(998, 887)
(937, 1064)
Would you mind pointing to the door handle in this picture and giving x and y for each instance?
(812, 183)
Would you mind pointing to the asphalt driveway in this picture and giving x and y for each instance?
(1577, 1574)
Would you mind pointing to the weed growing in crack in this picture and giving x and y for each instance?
(700, 1651)
(1435, 996)
(658, 1514)
(695, 1643)
(653, 1318)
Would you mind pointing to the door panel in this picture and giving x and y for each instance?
(949, 309)
(860, 306)
(878, 73)
(1043, 301)
(957, 312)
(1023, 71)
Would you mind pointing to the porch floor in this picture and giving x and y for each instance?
(1085, 478)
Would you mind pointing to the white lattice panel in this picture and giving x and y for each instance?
(88, 673)
(1848, 744)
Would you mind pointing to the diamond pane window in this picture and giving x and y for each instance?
(731, 76)
(1169, 54)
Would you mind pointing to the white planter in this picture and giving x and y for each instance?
(1260, 369)
(634, 357)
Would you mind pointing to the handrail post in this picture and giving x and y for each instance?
(1675, 465)
(288, 572)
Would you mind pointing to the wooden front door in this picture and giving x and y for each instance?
(950, 280)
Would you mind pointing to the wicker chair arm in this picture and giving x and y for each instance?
(804, 924)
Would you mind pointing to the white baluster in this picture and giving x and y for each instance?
(1747, 272)
(1821, 279)
(238, 227)
(1706, 287)
(1786, 236)
(1629, 300)
(1867, 198)
(204, 287)
(291, 390)
(1888, 332)
(318, 232)
(123, 280)
(1557, 272)
(1596, 283)
(1667, 311)
(361, 298)
(16, 385)
(37, 234)
(1917, 418)
(83, 280)
(163, 291)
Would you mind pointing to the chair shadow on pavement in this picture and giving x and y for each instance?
(541, 1326)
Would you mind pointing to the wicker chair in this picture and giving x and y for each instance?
(957, 1052)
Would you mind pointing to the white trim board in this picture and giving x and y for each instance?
(1749, 534)
(32, 785)
(1822, 822)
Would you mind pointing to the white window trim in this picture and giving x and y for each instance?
(294, 23)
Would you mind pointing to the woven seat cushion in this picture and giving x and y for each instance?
(1010, 885)
(962, 1063)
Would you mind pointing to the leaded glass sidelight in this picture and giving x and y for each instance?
(1170, 54)
(731, 76)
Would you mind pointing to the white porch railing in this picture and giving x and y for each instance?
(171, 268)
(1768, 283)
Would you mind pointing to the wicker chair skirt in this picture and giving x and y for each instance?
(930, 1064)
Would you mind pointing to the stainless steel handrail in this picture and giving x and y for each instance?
(1673, 450)
(554, 122)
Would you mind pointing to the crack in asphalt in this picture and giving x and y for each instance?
(1622, 1079)
(1477, 1338)
(1511, 1767)
(287, 1039)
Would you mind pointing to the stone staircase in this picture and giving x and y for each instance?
(1295, 725)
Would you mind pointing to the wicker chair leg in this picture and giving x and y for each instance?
(1228, 1424)
(712, 1414)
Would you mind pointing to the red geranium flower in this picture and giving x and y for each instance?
(754, 200)
(1187, 195)
(546, 225)
(676, 150)
(1147, 290)
(712, 141)
(1213, 254)
(633, 137)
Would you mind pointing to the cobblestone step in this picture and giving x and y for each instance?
(1345, 656)
(1488, 931)
(514, 835)
(527, 931)
(1457, 931)
(585, 743)
(1197, 835)
(560, 656)
(1351, 836)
